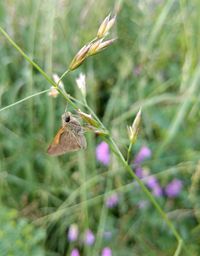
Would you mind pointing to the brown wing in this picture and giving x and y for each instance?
(66, 141)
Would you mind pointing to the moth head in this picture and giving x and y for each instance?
(66, 118)
(69, 119)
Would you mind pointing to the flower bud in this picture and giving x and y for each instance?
(57, 80)
(134, 129)
(80, 81)
(88, 119)
(53, 92)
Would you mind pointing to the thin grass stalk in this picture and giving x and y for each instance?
(103, 217)
(24, 99)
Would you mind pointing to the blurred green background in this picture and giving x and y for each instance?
(154, 65)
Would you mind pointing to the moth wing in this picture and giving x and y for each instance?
(66, 141)
(77, 141)
(78, 133)
(82, 140)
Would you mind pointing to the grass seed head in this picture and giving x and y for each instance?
(79, 57)
(105, 26)
(88, 119)
(100, 45)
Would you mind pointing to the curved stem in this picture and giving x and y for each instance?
(178, 250)
(145, 190)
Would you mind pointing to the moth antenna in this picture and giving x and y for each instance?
(66, 108)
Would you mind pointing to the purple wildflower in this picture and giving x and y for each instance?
(112, 200)
(143, 154)
(139, 171)
(103, 153)
(89, 237)
(157, 191)
(73, 233)
(106, 252)
(173, 188)
(75, 252)
(151, 182)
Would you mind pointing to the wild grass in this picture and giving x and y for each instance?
(154, 65)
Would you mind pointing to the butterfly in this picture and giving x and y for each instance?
(70, 137)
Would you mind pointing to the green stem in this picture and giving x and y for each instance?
(102, 221)
(178, 250)
(64, 74)
(129, 152)
(24, 99)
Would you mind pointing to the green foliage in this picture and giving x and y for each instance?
(18, 236)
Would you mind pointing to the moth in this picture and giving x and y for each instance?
(70, 137)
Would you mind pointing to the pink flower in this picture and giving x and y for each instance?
(106, 252)
(103, 153)
(151, 181)
(173, 188)
(89, 237)
(112, 200)
(143, 154)
(139, 172)
(75, 252)
(157, 191)
(73, 233)
(153, 184)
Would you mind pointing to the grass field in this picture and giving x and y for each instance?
(94, 202)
